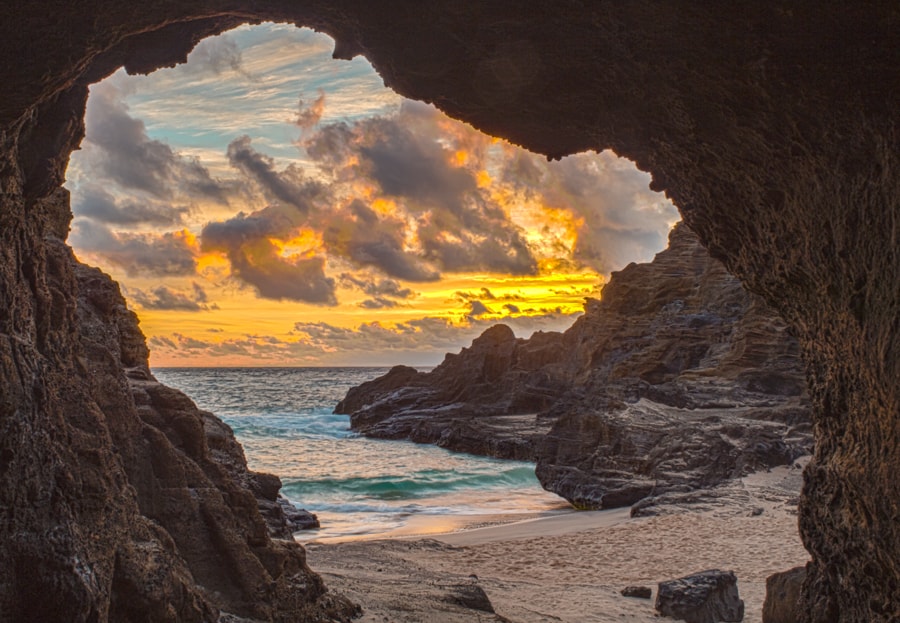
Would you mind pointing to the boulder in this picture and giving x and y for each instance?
(470, 596)
(640, 592)
(705, 597)
(782, 596)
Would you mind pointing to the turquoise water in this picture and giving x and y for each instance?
(357, 486)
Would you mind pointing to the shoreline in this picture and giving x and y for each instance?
(571, 566)
(482, 527)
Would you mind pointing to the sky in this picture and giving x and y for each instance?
(266, 205)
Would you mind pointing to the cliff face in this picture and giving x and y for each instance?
(682, 379)
(773, 126)
(135, 504)
(677, 379)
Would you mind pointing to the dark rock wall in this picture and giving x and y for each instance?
(119, 499)
(774, 126)
(677, 380)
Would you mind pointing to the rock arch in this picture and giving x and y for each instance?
(774, 127)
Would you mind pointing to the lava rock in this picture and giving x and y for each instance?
(298, 518)
(782, 596)
(641, 592)
(705, 597)
(470, 596)
(778, 150)
(678, 379)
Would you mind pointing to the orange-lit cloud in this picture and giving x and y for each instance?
(269, 215)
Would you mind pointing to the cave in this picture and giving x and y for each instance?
(773, 127)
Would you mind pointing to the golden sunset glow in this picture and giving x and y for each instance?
(353, 228)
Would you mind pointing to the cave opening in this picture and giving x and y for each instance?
(261, 203)
(298, 188)
(776, 146)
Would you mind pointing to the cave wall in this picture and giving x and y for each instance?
(774, 126)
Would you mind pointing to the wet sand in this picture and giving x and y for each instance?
(569, 566)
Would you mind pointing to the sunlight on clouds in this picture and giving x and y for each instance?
(262, 202)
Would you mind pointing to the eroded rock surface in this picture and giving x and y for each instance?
(705, 597)
(676, 380)
(773, 126)
(156, 515)
(783, 596)
(485, 400)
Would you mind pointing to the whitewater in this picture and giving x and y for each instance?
(358, 487)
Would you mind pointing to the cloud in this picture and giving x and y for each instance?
(378, 303)
(118, 150)
(165, 298)
(615, 217)
(368, 239)
(376, 287)
(158, 255)
(477, 308)
(413, 166)
(422, 341)
(287, 187)
(373, 203)
(216, 55)
(414, 163)
(431, 334)
(247, 242)
(485, 294)
(93, 202)
(310, 115)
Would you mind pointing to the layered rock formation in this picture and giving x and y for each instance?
(155, 513)
(676, 380)
(773, 126)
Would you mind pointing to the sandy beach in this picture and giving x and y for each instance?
(569, 566)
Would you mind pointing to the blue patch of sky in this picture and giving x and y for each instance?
(200, 109)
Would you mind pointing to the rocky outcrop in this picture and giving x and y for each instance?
(485, 400)
(684, 380)
(782, 603)
(168, 527)
(705, 597)
(676, 380)
(772, 126)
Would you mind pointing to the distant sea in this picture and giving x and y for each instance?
(358, 487)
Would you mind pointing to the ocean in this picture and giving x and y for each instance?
(358, 487)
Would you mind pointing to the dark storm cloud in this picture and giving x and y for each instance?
(512, 309)
(165, 298)
(366, 238)
(120, 151)
(413, 161)
(486, 295)
(94, 202)
(377, 287)
(414, 167)
(477, 308)
(160, 255)
(256, 260)
(287, 187)
(331, 145)
(378, 303)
